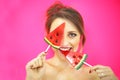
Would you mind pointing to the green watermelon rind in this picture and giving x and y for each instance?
(54, 46)
(78, 66)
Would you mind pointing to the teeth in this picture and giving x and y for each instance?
(65, 49)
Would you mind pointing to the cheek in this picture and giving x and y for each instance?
(75, 44)
(55, 50)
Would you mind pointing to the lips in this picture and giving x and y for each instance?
(65, 50)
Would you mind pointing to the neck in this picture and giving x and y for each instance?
(60, 60)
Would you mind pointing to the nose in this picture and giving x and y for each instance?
(64, 41)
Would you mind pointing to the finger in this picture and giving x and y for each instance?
(109, 71)
(100, 70)
(104, 69)
(98, 67)
(102, 75)
(92, 75)
(41, 59)
(87, 70)
(34, 63)
(42, 54)
(29, 65)
(37, 63)
(40, 62)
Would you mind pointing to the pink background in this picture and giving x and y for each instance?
(22, 33)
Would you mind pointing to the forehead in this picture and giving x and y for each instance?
(69, 26)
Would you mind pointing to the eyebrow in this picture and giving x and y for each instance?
(72, 31)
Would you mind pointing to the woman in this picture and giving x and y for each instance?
(58, 67)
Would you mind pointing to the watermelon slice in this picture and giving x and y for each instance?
(81, 62)
(76, 59)
(54, 38)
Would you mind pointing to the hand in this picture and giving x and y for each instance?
(104, 72)
(35, 68)
(89, 73)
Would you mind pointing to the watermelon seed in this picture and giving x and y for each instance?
(50, 37)
(57, 34)
(56, 41)
(76, 62)
(74, 56)
(80, 56)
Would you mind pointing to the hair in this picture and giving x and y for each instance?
(62, 11)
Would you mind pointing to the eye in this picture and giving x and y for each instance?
(72, 35)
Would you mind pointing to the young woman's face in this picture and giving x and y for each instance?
(71, 37)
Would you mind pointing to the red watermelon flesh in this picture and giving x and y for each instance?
(76, 59)
(65, 52)
(54, 38)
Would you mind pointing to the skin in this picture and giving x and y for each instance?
(58, 67)
(104, 72)
(71, 36)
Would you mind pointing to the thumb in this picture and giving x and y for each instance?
(42, 55)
